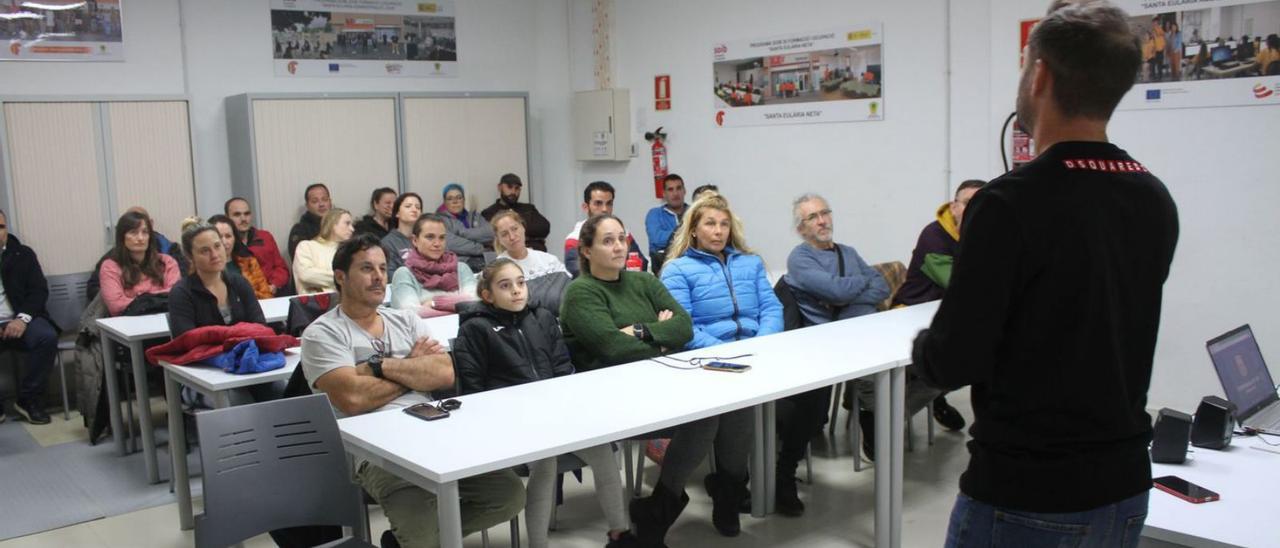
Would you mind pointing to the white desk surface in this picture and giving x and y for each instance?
(212, 379)
(1248, 481)
(511, 426)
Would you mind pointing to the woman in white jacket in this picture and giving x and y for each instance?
(313, 260)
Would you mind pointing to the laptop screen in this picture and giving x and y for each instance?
(1242, 371)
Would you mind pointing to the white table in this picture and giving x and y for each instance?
(503, 428)
(1247, 479)
(214, 383)
(131, 331)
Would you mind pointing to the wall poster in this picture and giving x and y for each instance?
(61, 31)
(835, 75)
(364, 38)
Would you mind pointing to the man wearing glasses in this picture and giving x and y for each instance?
(369, 358)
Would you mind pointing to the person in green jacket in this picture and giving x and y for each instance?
(612, 316)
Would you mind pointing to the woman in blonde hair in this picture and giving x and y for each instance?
(546, 275)
(313, 259)
(713, 274)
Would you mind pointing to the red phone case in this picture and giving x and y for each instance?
(1188, 498)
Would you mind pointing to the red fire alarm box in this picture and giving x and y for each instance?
(662, 92)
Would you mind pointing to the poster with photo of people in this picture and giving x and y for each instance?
(826, 76)
(363, 38)
(1205, 54)
(61, 31)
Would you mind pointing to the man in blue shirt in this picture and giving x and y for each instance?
(831, 282)
(661, 222)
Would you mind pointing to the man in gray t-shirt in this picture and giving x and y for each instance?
(334, 341)
(338, 352)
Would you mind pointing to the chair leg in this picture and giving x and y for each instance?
(484, 538)
(711, 460)
(929, 422)
(911, 446)
(627, 470)
(515, 531)
(808, 465)
(555, 514)
(62, 375)
(639, 470)
(854, 426)
(836, 393)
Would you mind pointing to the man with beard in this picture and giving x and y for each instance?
(1054, 304)
(536, 227)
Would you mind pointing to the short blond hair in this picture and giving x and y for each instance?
(505, 214)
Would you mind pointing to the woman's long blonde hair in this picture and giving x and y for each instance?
(683, 238)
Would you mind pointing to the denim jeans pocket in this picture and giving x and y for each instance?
(1133, 531)
(1015, 530)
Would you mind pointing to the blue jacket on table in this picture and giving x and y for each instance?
(727, 301)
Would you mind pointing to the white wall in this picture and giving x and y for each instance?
(506, 45)
(884, 179)
(1219, 166)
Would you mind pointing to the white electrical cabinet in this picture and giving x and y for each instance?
(602, 125)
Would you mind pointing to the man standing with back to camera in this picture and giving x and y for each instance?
(1054, 306)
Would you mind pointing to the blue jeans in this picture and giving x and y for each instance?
(975, 524)
(40, 341)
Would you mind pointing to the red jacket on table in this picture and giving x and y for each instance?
(203, 343)
(263, 246)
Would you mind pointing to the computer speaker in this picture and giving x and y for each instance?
(1169, 439)
(1215, 420)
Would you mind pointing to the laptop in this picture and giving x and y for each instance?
(1246, 380)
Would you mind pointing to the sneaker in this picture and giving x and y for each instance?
(946, 415)
(33, 413)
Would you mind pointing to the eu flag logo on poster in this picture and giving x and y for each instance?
(1153, 95)
(333, 67)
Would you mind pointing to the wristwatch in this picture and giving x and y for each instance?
(26, 318)
(641, 333)
(375, 364)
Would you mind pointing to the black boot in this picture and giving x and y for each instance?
(786, 498)
(946, 415)
(727, 494)
(654, 514)
(867, 421)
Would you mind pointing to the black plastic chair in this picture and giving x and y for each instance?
(274, 465)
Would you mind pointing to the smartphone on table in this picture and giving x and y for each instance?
(426, 412)
(1184, 489)
(727, 367)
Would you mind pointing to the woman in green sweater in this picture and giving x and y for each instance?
(612, 316)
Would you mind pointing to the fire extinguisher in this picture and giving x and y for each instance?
(1022, 143)
(659, 151)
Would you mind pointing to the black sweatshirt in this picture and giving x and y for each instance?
(1052, 316)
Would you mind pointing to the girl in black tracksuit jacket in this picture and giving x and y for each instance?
(503, 342)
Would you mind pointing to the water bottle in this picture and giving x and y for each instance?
(634, 263)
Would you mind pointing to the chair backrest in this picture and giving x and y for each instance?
(297, 385)
(273, 465)
(1273, 68)
(895, 274)
(792, 317)
(304, 309)
(67, 299)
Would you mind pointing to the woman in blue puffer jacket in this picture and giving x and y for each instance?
(725, 289)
